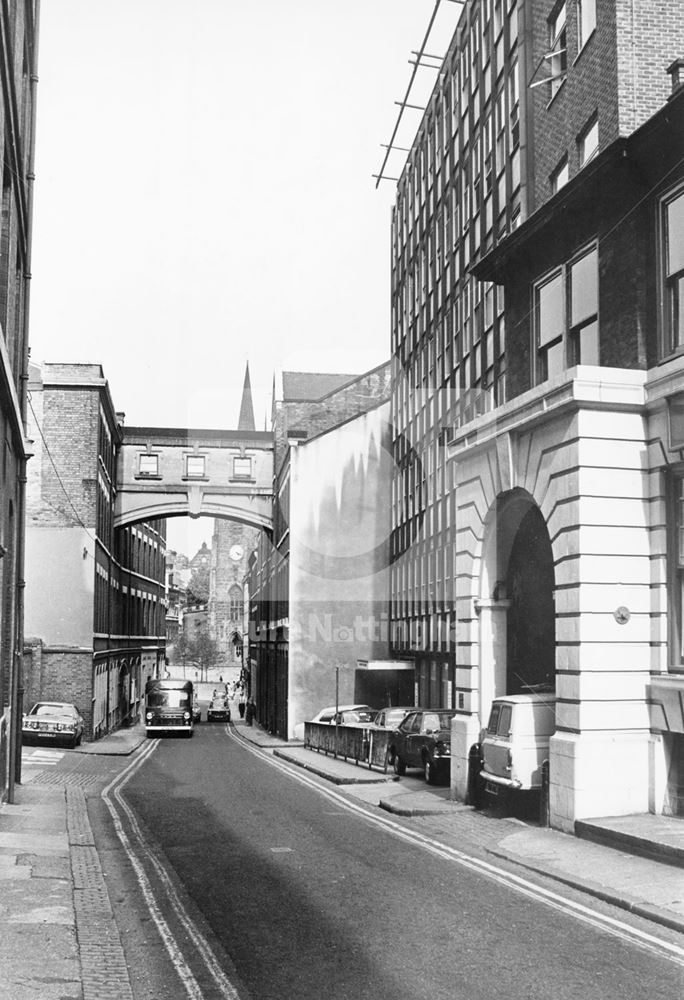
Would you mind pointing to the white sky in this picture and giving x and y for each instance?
(204, 193)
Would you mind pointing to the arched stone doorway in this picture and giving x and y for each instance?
(516, 604)
(531, 622)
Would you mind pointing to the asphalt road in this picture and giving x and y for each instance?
(301, 898)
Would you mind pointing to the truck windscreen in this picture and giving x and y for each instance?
(168, 699)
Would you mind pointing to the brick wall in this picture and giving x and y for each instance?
(620, 74)
(52, 675)
(315, 416)
(70, 420)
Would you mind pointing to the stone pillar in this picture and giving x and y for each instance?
(466, 729)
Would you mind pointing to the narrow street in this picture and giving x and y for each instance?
(238, 880)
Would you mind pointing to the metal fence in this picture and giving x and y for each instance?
(358, 743)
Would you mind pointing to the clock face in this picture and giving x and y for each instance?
(236, 553)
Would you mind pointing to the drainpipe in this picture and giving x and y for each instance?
(18, 666)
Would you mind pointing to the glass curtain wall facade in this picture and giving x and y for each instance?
(460, 192)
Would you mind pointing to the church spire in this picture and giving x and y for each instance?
(246, 421)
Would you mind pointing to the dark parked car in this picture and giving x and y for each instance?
(423, 740)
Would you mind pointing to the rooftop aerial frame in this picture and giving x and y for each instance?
(422, 60)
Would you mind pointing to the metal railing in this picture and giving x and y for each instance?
(361, 744)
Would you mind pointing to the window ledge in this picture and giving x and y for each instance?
(194, 479)
(147, 475)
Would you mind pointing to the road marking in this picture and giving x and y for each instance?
(48, 758)
(281, 850)
(224, 985)
(585, 914)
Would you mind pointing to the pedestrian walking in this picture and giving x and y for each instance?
(241, 705)
(250, 711)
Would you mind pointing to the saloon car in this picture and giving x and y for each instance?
(219, 710)
(423, 740)
(327, 716)
(53, 722)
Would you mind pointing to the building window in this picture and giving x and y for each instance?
(560, 176)
(586, 21)
(548, 313)
(676, 575)
(583, 300)
(673, 266)
(194, 467)
(588, 142)
(242, 468)
(566, 316)
(558, 57)
(149, 465)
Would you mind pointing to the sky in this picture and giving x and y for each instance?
(204, 193)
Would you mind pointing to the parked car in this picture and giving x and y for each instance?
(390, 718)
(219, 710)
(54, 722)
(327, 716)
(360, 716)
(516, 741)
(423, 739)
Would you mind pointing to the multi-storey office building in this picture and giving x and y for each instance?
(95, 595)
(18, 60)
(521, 371)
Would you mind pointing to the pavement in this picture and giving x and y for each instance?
(60, 940)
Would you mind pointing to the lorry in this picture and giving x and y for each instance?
(168, 707)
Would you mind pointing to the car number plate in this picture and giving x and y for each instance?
(491, 788)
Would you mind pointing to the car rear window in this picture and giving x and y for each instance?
(504, 726)
(494, 719)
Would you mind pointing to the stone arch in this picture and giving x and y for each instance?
(516, 600)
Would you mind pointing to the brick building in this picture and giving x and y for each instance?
(95, 596)
(537, 262)
(18, 59)
(317, 589)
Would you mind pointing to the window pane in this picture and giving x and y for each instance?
(550, 310)
(504, 726)
(149, 465)
(588, 144)
(195, 465)
(589, 345)
(555, 362)
(676, 311)
(586, 20)
(675, 235)
(242, 467)
(584, 288)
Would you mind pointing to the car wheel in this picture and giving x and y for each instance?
(430, 772)
(399, 765)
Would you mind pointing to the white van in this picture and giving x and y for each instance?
(516, 741)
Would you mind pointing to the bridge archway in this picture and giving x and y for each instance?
(173, 472)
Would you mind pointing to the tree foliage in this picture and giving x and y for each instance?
(198, 587)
